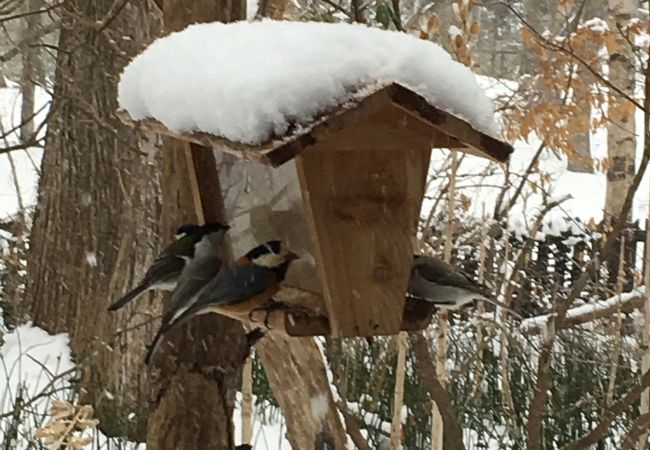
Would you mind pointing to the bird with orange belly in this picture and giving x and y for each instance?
(206, 286)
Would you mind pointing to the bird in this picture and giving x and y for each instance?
(435, 281)
(249, 282)
(164, 272)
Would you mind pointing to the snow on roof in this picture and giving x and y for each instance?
(249, 81)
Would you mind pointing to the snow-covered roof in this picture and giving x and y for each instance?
(249, 82)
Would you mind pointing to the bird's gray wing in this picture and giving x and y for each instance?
(195, 277)
(437, 271)
(183, 246)
(198, 273)
(235, 284)
(163, 269)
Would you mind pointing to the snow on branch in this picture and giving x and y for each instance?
(626, 302)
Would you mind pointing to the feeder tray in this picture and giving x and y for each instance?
(362, 171)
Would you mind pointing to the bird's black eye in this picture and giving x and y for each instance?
(274, 247)
(265, 249)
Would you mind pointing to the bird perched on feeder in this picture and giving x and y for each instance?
(163, 274)
(250, 282)
(433, 280)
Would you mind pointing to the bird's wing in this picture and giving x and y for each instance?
(196, 276)
(183, 246)
(235, 284)
(437, 271)
(163, 268)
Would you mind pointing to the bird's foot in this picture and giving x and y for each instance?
(268, 308)
(253, 336)
(251, 339)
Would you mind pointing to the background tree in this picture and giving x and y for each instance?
(97, 209)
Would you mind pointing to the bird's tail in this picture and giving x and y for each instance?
(170, 320)
(131, 295)
(154, 345)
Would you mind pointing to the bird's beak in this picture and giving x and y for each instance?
(292, 256)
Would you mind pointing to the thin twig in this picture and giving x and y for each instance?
(553, 46)
(610, 414)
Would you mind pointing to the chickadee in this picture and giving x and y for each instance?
(167, 267)
(249, 282)
(435, 281)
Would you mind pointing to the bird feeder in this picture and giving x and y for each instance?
(362, 169)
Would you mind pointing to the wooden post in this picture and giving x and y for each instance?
(247, 402)
(481, 307)
(616, 326)
(443, 322)
(398, 397)
(644, 407)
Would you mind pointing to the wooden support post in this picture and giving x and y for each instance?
(480, 308)
(247, 402)
(437, 427)
(398, 397)
(644, 407)
(616, 326)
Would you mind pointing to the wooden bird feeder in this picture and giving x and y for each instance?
(362, 171)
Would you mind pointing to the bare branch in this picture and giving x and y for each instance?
(21, 146)
(452, 432)
(585, 313)
(553, 46)
(640, 425)
(25, 42)
(352, 427)
(339, 8)
(31, 13)
(610, 414)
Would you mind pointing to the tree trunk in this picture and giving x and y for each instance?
(95, 222)
(621, 140)
(582, 162)
(200, 365)
(30, 72)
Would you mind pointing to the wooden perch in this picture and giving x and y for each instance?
(300, 314)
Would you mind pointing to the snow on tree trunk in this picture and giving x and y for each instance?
(621, 140)
(94, 226)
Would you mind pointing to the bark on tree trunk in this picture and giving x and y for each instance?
(95, 222)
(621, 140)
(201, 362)
(582, 162)
(30, 69)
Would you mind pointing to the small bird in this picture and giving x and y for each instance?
(435, 281)
(250, 282)
(167, 267)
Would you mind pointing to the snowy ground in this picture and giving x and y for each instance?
(35, 367)
(26, 161)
